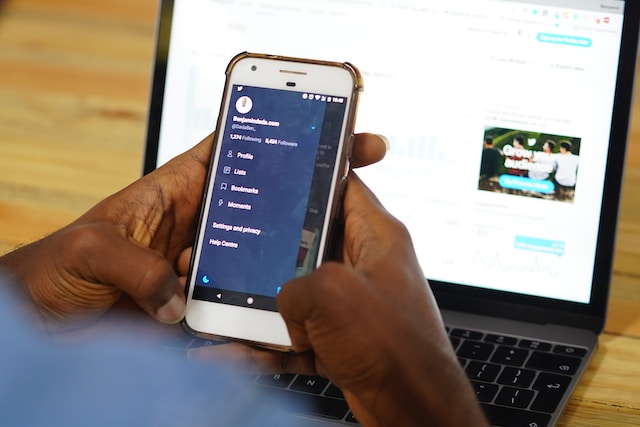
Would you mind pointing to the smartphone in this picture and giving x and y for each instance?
(277, 173)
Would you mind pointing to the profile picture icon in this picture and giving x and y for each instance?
(244, 104)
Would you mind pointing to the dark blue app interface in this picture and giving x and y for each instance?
(270, 190)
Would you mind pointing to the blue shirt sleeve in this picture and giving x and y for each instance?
(43, 383)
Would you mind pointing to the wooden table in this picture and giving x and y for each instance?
(74, 86)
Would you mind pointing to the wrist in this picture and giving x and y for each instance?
(13, 268)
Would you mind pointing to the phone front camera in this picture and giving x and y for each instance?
(253, 68)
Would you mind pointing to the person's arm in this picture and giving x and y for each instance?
(125, 248)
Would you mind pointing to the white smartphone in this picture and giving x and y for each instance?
(277, 172)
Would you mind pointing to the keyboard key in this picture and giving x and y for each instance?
(482, 371)
(199, 342)
(455, 342)
(309, 384)
(334, 391)
(516, 377)
(535, 345)
(466, 333)
(311, 404)
(475, 350)
(516, 397)
(500, 339)
(180, 342)
(570, 351)
(276, 380)
(485, 392)
(551, 388)
(513, 417)
(554, 363)
(510, 356)
(351, 418)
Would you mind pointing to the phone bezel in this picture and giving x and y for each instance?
(257, 326)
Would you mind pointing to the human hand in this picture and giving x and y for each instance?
(126, 246)
(371, 325)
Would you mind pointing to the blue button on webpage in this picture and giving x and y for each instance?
(563, 39)
(526, 184)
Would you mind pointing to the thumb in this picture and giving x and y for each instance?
(108, 258)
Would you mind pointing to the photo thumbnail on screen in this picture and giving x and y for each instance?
(529, 164)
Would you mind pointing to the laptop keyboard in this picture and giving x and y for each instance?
(518, 382)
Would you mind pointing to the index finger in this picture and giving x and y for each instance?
(368, 148)
(371, 233)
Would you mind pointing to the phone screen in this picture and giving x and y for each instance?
(264, 221)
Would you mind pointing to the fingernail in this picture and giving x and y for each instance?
(384, 139)
(172, 311)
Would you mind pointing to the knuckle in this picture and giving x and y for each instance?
(83, 240)
(97, 251)
(403, 233)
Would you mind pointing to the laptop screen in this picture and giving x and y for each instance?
(499, 114)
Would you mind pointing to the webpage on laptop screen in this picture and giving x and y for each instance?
(498, 114)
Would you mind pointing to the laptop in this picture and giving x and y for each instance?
(508, 122)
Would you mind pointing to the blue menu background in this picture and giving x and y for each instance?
(282, 174)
